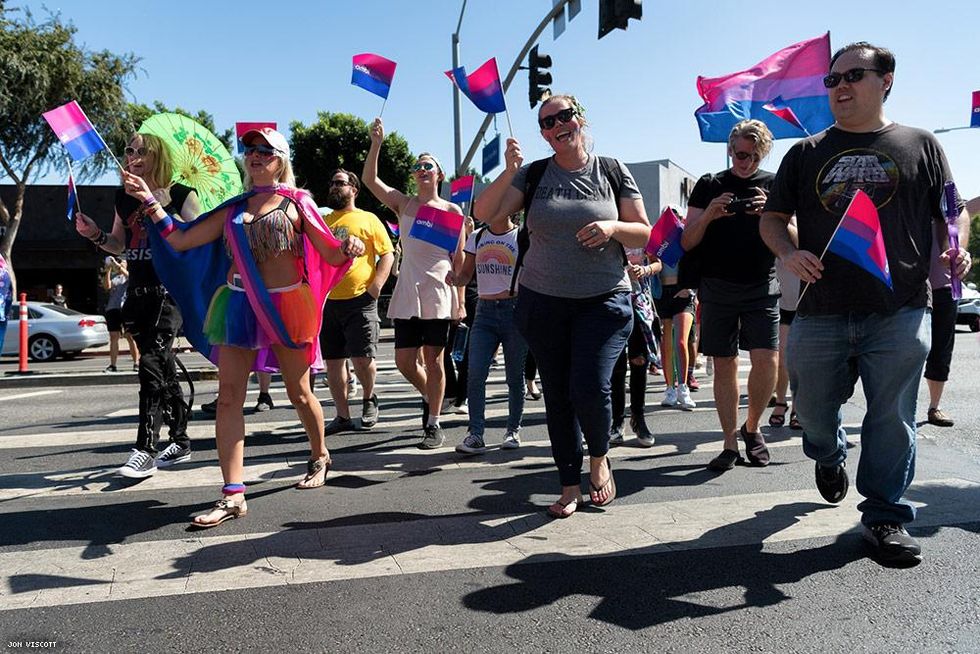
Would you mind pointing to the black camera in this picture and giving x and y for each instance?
(739, 205)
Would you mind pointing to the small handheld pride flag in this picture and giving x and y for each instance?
(975, 114)
(779, 107)
(665, 238)
(461, 190)
(74, 130)
(438, 227)
(482, 87)
(373, 73)
(858, 238)
(72, 196)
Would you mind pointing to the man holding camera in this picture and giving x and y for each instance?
(738, 288)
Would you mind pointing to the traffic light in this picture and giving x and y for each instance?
(615, 14)
(538, 78)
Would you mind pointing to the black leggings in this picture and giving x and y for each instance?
(943, 334)
(530, 367)
(635, 348)
(153, 319)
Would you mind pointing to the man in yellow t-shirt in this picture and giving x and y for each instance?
(350, 315)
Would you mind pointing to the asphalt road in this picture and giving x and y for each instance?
(406, 550)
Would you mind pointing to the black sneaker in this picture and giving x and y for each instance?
(211, 407)
(369, 412)
(139, 465)
(832, 482)
(639, 426)
(172, 455)
(616, 436)
(432, 438)
(892, 544)
(264, 403)
(338, 425)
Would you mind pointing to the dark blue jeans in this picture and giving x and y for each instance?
(576, 343)
(825, 356)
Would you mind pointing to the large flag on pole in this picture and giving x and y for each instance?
(482, 86)
(665, 238)
(373, 73)
(858, 238)
(438, 227)
(461, 190)
(74, 130)
(975, 116)
(789, 81)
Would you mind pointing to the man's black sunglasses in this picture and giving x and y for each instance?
(849, 76)
(562, 116)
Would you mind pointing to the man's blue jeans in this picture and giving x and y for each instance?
(826, 355)
(576, 343)
(493, 326)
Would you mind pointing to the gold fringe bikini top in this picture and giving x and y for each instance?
(271, 234)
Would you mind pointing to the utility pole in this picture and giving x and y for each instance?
(457, 125)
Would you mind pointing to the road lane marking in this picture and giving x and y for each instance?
(22, 396)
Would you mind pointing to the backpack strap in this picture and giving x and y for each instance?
(614, 173)
(534, 174)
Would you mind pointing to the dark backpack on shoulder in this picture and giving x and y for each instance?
(535, 171)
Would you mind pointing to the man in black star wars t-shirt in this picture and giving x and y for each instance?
(849, 324)
(738, 288)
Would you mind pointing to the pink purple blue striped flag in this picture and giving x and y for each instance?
(461, 190)
(482, 86)
(438, 227)
(858, 238)
(74, 130)
(373, 73)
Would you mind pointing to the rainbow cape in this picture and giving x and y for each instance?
(193, 276)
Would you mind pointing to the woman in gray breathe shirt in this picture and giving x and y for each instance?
(573, 308)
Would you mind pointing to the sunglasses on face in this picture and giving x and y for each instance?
(742, 156)
(423, 165)
(562, 116)
(134, 152)
(850, 76)
(264, 150)
(337, 183)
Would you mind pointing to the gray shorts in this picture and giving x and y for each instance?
(728, 328)
(350, 328)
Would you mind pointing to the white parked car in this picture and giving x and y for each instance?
(54, 331)
(968, 309)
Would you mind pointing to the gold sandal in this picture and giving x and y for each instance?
(313, 469)
(227, 509)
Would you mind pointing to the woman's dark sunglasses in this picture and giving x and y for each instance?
(850, 76)
(133, 152)
(562, 116)
(423, 165)
(264, 150)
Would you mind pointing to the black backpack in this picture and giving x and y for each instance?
(535, 171)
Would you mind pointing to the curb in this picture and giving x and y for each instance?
(43, 380)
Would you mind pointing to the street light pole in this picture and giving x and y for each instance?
(941, 130)
(457, 125)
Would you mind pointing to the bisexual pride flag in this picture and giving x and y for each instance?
(438, 227)
(482, 87)
(461, 190)
(373, 73)
(858, 238)
(665, 238)
(72, 196)
(975, 116)
(74, 130)
(790, 81)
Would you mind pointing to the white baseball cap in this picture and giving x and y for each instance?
(275, 139)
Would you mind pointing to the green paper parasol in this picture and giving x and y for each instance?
(200, 160)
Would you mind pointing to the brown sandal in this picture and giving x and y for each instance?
(778, 419)
(226, 508)
(561, 512)
(313, 478)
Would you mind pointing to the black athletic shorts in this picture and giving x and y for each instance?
(416, 332)
(350, 328)
(728, 328)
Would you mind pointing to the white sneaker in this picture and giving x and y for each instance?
(684, 400)
(472, 444)
(670, 397)
(462, 409)
(512, 440)
(139, 466)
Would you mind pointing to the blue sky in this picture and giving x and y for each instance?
(286, 61)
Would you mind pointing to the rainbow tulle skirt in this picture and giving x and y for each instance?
(231, 320)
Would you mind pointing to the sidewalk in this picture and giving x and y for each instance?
(86, 368)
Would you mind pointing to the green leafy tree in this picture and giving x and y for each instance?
(42, 67)
(137, 113)
(341, 141)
